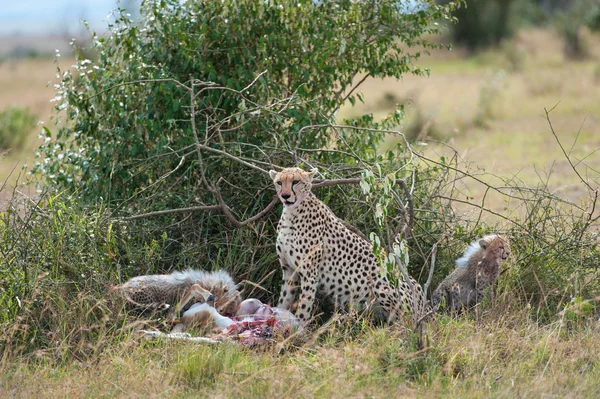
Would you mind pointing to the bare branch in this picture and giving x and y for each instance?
(9, 175)
(254, 81)
(563, 149)
(410, 221)
(261, 214)
(232, 157)
(420, 313)
(335, 182)
(409, 281)
(226, 210)
(171, 211)
(431, 267)
(356, 86)
(481, 207)
(178, 83)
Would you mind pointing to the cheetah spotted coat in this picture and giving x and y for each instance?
(319, 254)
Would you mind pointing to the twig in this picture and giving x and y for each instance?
(232, 157)
(408, 280)
(254, 81)
(567, 156)
(360, 82)
(8, 177)
(431, 267)
(409, 220)
(335, 182)
(420, 313)
(171, 211)
(480, 207)
(178, 83)
(563, 149)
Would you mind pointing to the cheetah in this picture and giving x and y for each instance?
(161, 291)
(319, 254)
(476, 272)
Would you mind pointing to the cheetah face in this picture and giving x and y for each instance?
(292, 185)
(497, 246)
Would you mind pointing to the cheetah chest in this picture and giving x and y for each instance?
(295, 239)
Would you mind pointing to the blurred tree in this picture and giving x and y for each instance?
(15, 126)
(482, 22)
(551, 6)
(571, 21)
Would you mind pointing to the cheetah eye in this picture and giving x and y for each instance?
(278, 182)
(295, 182)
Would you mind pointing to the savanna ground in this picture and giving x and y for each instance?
(490, 108)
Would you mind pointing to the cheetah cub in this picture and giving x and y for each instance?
(476, 272)
(318, 253)
(161, 291)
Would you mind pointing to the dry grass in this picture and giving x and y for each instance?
(497, 354)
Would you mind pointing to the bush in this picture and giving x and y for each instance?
(483, 23)
(56, 270)
(15, 126)
(571, 24)
(129, 104)
(192, 105)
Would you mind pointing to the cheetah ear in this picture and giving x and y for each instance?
(272, 174)
(483, 244)
(313, 172)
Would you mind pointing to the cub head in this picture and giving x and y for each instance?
(495, 247)
(489, 248)
(292, 185)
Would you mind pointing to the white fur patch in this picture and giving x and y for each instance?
(471, 250)
(215, 278)
(220, 321)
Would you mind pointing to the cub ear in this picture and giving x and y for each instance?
(483, 243)
(272, 173)
(313, 172)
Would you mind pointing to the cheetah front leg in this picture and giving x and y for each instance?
(289, 287)
(309, 279)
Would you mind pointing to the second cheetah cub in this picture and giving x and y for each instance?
(476, 272)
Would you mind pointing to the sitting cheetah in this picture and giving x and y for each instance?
(318, 252)
(476, 272)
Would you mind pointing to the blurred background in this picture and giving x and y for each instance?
(510, 59)
(37, 38)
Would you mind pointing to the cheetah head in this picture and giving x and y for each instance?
(292, 185)
(495, 247)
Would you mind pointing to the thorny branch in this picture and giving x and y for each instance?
(408, 215)
(563, 149)
(595, 192)
(420, 309)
